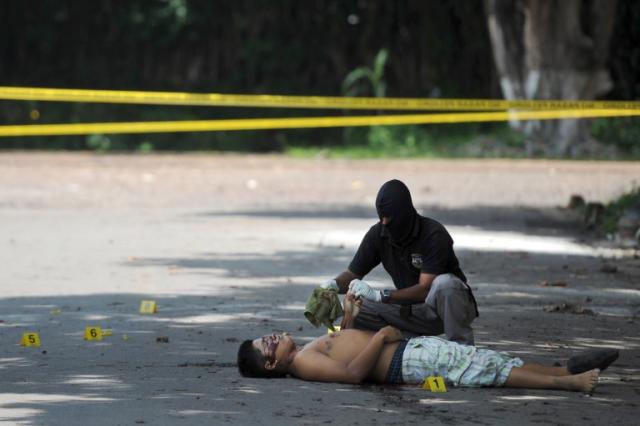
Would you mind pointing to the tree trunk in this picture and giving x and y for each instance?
(552, 49)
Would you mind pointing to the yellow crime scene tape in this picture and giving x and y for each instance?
(491, 110)
(299, 123)
(315, 102)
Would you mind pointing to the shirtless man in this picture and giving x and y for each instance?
(354, 356)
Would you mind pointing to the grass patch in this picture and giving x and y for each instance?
(470, 141)
(614, 210)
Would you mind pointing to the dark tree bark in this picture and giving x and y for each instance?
(552, 49)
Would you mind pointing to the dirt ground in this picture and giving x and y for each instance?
(231, 246)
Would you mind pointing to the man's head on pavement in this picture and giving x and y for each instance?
(395, 209)
(267, 356)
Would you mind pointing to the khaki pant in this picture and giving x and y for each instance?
(449, 309)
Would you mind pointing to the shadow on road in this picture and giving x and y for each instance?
(536, 221)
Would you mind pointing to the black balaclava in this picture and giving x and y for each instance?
(394, 201)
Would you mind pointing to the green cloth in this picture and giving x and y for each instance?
(323, 307)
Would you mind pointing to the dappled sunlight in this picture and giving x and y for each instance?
(501, 241)
(209, 318)
(205, 318)
(510, 343)
(200, 412)
(517, 294)
(242, 266)
(214, 301)
(183, 352)
(368, 408)
(292, 307)
(549, 346)
(43, 307)
(442, 401)
(19, 320)
(97, 317)
(628, 343)
(18, 414)
(598, 398)
(14, 363)
(96, 381)
(481, 240)
(538, 291)
(520, 353)
(246, 389)
(521, 398)
(608, 379)
(623, 291)
(15, 406)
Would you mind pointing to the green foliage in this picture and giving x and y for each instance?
(99, 143)
(374, 76)
(145, 147)
(623, 132)
(401, 141)
(266, 47)
(415, 141)
(443, 141)
(161, 20)
(614, 210)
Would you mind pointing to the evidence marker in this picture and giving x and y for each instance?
(434, 384)
(30, 339)
(148, 307)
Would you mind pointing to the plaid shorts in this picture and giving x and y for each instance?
(459, 365)
(489, 368)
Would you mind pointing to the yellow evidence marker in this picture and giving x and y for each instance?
(30, 339)
(434, 384)
(335, 328)
(93, 333)
(148, 307)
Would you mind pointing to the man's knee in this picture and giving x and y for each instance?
(451, 297)
(444, 286)
(446, 282)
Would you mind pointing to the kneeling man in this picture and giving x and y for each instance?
(432, 296)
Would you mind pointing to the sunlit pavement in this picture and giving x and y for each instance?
(225, 269)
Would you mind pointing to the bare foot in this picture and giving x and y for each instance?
(583, 382)
(355, 311)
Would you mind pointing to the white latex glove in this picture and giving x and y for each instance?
(362, 289)
(331, 285)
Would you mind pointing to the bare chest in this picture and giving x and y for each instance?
(339, 346)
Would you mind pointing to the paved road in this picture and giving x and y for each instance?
(231, 246)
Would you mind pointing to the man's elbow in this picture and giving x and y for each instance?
(423, 291)
(354, 380)
(354, 377)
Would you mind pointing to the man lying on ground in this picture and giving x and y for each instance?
(354, 356)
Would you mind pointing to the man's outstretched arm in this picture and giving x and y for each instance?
(414, 294)
(316, 366)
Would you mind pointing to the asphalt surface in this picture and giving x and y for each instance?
(230, 247)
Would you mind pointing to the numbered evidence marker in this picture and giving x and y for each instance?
(93, 333)
(434, 384)
(148, 307)
(30, 339)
